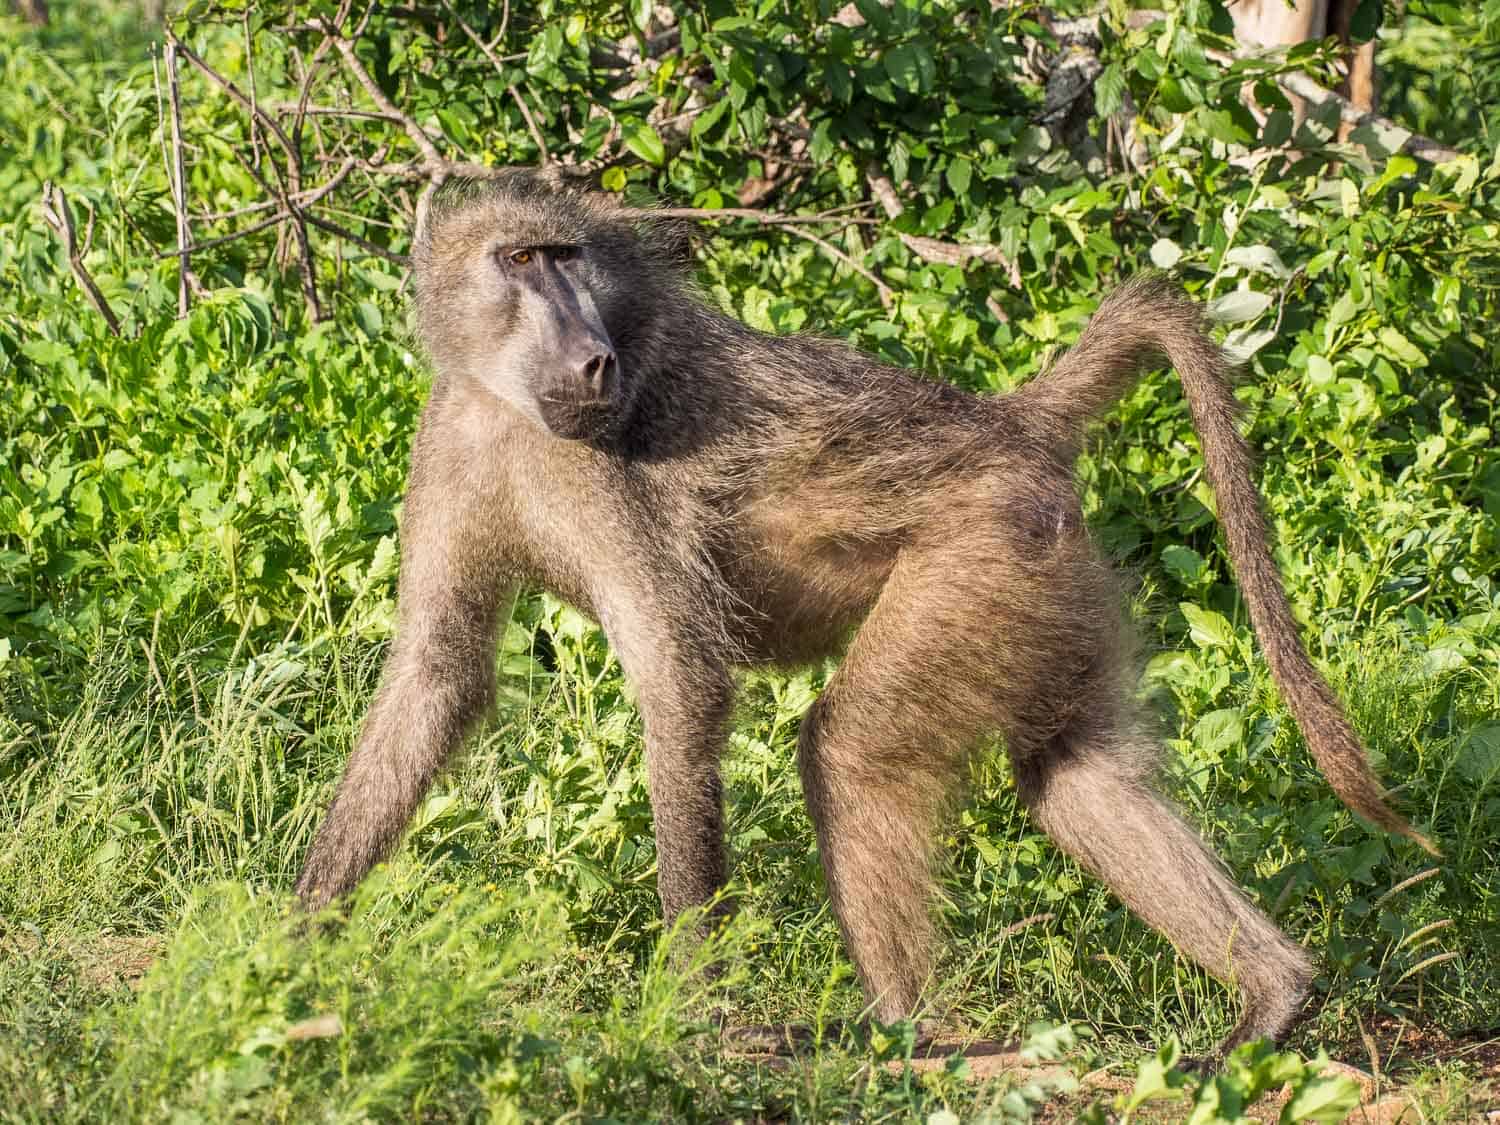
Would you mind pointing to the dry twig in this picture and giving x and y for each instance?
(59, 216)
(1423, 148)
(935, 250)
(187, 283)
(418, 135)
(882, 290)
(288, 186)
(794, 224)
(515, 94)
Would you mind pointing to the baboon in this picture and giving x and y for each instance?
(718, 497)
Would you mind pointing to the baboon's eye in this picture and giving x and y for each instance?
(519, 257)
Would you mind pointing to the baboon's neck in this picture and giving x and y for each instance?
(701, 379)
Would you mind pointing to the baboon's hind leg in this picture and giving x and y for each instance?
(881, 752)
(1092, 792)
(874, 839)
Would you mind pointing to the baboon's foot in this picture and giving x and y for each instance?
(1268, 1017)
(310, 923)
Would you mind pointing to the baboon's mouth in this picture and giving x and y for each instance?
(574, 419)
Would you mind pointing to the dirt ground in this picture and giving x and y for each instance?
(1399, 1071)
(1399, 1065)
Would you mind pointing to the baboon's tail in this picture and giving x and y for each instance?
(1143, 322)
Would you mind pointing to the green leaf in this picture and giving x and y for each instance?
(1277, 130)
(1322, 1099)
(1239, 306)
(1207, 628)
(899, 157)
(1258, 259)
(1157, 1077)
(1186, 563)
(1243, 343)
(1218, 731)
(1109, 90)
(709, 118)
(367, 316)
(1165, 253)
(1464, 169)
(1402, 350)
(1349, 198)
(960, 172)
(642, 140)
(48, 353)
(911, 67)
(1175, 97)
(1039, 239)
(1479, 755)
(1395, 168)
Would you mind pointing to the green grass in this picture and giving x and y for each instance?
(509, 958)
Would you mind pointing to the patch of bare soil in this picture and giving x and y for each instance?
(1393, 1050)
(1392, 1046)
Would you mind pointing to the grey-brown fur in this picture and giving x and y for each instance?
(737, 498)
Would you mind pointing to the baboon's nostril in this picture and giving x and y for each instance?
(597, 370)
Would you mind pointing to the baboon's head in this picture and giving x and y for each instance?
(535, 291)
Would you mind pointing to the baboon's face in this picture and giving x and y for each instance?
(551, 357)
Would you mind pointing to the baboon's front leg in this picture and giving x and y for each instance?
(438, 681)
(684, 694)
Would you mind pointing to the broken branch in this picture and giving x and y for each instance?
(59, 216)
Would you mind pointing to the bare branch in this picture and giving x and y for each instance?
(310, 70)
(935, 250)
(363, 243)
(59, 216)
(243, 232)
(749, 214)
(187, 283)
(885, 194)
(289, 108)
(504, 26)
(302, 199)
(942, 253)
(417, 134)
(794, 224)
(442, 170)
(287, 188)
(255, 111)
(882, 290)
(515, 94)
(1423, 148)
